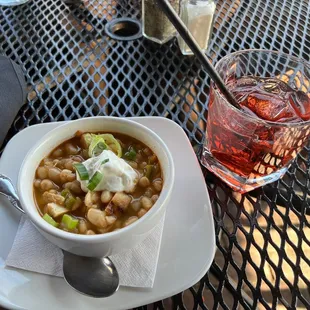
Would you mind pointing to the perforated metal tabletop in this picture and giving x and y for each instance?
(74, 70)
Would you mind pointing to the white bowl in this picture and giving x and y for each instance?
(102, 244)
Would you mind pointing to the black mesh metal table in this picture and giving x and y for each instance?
(73, 70)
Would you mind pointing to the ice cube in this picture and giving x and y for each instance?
(301, 104)
(243, 87)
(275, 86)
(270, 107)
(247, 81)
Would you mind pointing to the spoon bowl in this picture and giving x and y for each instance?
(91, 276)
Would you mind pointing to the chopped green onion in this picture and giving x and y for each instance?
(105, 161)
(69, 221)
(97, 146)
(98, 143)
(65, 192)
(70, 201)
(47, 218)
(131, 154)
(82, 171)
(77, 203)
(112, 143)
(95, 180)
(148, 171)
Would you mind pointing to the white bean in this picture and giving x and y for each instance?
(69, 164)
(77, 159)
(75, 187)
(117, 224)
(58, 153)
(42, 173)
(135, 205)
(71, 149)
(47, 185)
(158, 185)
(48, 162)
(67, 176)
(154, 198)
(106, 196)
(90, 232)
(147, 151)
(146, 203)
(133, 164)
(97, 217)
(37, 183)
(121, 200)
(51, 196)
(144, 182)
(110, 219)
(82, 227)
(54, 174)
(91, 200)
(56, 162)
(130, 220)
(103, 230)
(142, 165)
(141, 212)
(148, 192)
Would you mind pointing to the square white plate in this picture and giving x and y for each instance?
(188, 241)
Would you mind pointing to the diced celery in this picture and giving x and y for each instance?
(69, 221)
(148, 171)
(47, 218)
(65, 192)
(70, 201)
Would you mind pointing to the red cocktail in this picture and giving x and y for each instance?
(253, 146)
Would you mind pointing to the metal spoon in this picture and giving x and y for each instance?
(7, 189)
(95, 277)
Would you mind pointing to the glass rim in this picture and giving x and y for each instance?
(246, 51)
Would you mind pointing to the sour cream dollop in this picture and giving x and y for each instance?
(118, 176)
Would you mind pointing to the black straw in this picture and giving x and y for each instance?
(193, 45)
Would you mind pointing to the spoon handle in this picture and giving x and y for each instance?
(193, 45)
(7, 189)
